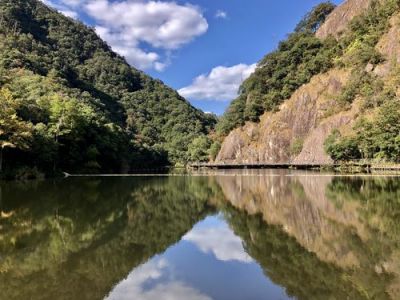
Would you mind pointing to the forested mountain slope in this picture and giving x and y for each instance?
(68, 102)
(329, 92)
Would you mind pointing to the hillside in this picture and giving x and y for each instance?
(70, 103)
(329, 92)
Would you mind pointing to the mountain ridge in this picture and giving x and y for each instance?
(139, 121)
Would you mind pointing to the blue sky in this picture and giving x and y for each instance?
(203, 48)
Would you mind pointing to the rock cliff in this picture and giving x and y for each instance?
(338, 20)
(301, 120)
(297, 131)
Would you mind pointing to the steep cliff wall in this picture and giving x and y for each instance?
(389, 47)
(298, 130)
(301, 119)
(338, 20)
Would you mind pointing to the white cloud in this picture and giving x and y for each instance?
(129, 24)
(133, 287)
(220, 14)
(129, 49)
(220, 241)
(221, 84)
(163, 25)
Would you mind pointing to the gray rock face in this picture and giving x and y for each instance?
(389, 47)
(301, 119)
(338, 20)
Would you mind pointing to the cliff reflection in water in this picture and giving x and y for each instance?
(318, 237)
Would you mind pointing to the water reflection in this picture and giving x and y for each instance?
(250, 235)
(217, 238)
(191, 270)
(320, 236)
(137, 284)
(75, 239)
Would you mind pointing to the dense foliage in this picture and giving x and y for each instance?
(78, 106)
(377, 138)
(314, 19)
(376, 134)
(283, 71)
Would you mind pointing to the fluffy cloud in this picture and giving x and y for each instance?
(220, 241)
(129, 49)
(161, 24)
(221, 84)
(129, 25)
(134, 286)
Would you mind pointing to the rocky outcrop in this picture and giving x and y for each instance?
(389, 47)
(300, 120)
(338, 20)
(313, 148)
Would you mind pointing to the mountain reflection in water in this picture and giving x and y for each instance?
(233, 235)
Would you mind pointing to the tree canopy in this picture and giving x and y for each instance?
(88, 109)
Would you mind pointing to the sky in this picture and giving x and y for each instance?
(202, 48)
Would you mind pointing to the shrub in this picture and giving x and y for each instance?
(296, 147)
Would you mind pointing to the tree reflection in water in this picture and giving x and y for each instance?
(320, 237)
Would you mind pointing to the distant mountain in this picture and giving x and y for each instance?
(70, 103)
(329, 92)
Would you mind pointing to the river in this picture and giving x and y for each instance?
(251, 234)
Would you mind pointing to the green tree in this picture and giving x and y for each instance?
(14, 133)
(199, 149)
(314, 19)
(387, 130)
(214, 150)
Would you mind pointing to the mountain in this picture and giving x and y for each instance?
(70, 103)
(329, 92)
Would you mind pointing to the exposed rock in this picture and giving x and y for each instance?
(313, 148)
(312, 112)
(389, 47)
(338, 20)
(298, 117)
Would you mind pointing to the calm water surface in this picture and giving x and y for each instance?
(226, 236)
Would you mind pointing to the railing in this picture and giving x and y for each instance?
(365, 163)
